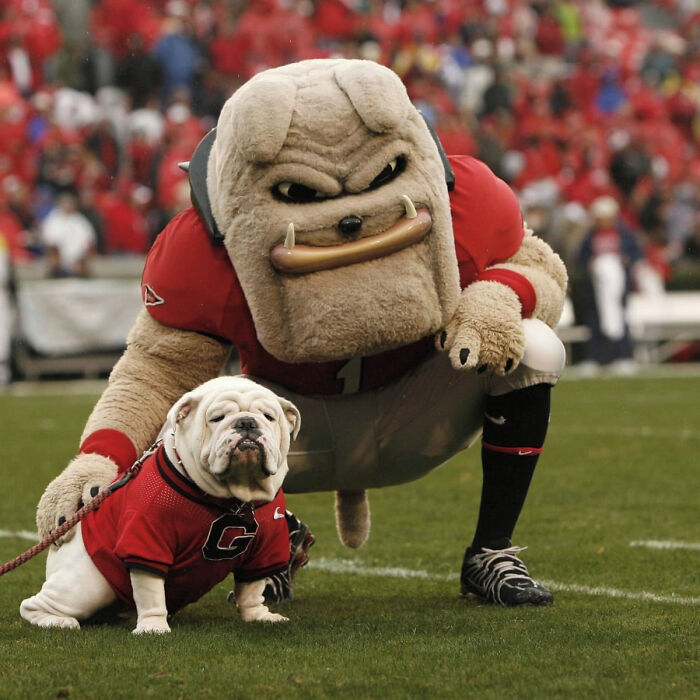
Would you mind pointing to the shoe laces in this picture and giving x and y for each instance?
(493, 568)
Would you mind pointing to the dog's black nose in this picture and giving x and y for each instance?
(245, 424)
(349, 225)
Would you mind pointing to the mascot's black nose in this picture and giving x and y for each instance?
(349, 225)
(246, 424)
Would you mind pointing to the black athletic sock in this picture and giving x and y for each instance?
(515, 426)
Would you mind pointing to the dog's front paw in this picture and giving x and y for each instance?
(152, 627)
(260, 613)
(271, 617)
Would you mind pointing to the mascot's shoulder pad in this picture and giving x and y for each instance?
(486, 217)
(188, 282)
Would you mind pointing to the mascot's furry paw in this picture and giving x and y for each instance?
(80, 481)
(486, 330)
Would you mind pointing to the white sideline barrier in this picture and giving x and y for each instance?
(80, 326)
(73, 326)
(660, 324)
(72, 316)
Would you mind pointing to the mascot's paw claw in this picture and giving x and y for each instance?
(485, 332)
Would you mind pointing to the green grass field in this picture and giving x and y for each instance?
(621, 467)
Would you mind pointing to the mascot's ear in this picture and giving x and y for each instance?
(261, 112)
(259, 115)
(376, 92)
(380, 98)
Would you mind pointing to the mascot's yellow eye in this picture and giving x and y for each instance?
(391, 170)
(294, 192)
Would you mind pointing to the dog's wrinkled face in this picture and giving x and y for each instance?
(232, 437)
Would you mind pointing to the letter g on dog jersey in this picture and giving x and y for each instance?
(229, 537)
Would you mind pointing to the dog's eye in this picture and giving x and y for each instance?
(216, 419)
(269, 417)
(294, 192)
(391, 170)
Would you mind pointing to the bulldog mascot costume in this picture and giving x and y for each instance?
(392, 293)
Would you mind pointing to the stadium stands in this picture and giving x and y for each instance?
(564, 99)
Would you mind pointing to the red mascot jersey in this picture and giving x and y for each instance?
(189, 283)
(163, 523)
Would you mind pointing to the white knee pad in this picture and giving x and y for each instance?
(542, 362)
(544, 352)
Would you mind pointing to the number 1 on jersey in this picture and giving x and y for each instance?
(351, 376)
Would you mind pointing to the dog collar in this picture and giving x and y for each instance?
(233, 504)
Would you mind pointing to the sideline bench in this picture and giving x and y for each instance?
(660, 324)
(102, 310)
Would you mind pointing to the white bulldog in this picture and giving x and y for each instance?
(206, 503)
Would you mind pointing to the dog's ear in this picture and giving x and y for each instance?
(291, 413)
(182, 409)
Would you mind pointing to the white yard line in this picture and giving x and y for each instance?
(646, 371)
(20, 535)
(666, 544)
(617, 593)
(632, 431)
(67, 387)
(345, 566)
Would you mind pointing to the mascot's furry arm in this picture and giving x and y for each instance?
(486, 330)
(158, 366)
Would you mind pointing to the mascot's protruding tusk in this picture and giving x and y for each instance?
(289, 238)
(352, 517)
(410, 208)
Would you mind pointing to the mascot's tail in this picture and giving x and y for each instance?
(352, 517)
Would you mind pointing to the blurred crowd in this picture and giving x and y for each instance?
(567, 100)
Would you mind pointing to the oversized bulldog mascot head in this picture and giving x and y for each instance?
(336, 134)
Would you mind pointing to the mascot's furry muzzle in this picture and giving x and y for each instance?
(301, 259)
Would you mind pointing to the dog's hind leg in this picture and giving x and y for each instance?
(74, 589)
(37, 611)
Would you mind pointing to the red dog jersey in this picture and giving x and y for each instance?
(190, 284)
(160, 521)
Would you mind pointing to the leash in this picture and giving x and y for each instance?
(91, 505)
